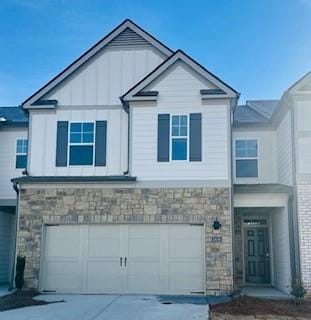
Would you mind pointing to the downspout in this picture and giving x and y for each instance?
(127, 110)
(296, 272)
(232, 192)
(15, 187)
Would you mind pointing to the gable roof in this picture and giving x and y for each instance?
(136, 33)
(301, 85)
(264, 107)
(136, 93)
(13, 116)
(255, 113)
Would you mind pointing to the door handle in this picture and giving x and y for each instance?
(120, 261)
(125, 261)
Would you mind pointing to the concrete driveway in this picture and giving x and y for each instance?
(113, 307)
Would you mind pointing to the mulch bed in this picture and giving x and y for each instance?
(21, 299)
(255, 306)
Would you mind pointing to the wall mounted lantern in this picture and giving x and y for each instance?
(216, 224)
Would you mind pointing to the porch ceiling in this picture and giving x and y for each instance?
(261, 188)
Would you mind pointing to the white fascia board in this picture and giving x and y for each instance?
(38, 106)
(215, 96)
(179, 55)
(295, 88)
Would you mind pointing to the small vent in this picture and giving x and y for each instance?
(127, 38)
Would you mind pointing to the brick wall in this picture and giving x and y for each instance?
(304, 219)
(128, 205)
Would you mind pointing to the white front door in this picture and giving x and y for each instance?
(124, 259)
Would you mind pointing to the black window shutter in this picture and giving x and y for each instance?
(61, 143)
(100, 143)
(195, 137)
(163, 137)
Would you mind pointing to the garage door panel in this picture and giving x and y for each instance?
(62, 275)
(185, 248)
(164, 259)
(104, 242)
(69, 283)
(148, 248)
(62, 241)
(185, 276)
(186, 232)
(103, 276)
(107, 249)
(102, 232)
(143, 231)
(66, 248)
(143, 277)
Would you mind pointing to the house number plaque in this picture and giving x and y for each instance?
(216, 239)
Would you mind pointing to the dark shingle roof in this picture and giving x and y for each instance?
(14, 116)
(255, 112)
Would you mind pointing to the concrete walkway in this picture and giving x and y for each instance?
(264, 292)
(110, 307)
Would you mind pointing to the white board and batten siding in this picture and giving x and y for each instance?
(284, 150)
(267, 155)
(179, 93)
(8, 139)
(106, 77)
(92, 93)
(43, 132)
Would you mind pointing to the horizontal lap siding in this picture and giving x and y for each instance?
(284, 151)
(303, 137)
(267, 155)
(43, 142)
(179, 93)
(7, 160)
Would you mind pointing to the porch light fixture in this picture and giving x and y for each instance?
(216, 224)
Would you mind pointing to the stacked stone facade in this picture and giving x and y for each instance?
(94, 205)
(238, 251)
(304, 218)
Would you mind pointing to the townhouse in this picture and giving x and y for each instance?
(144, 175)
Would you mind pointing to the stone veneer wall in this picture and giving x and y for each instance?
(304, 221)
(238, 251)
(94, 205)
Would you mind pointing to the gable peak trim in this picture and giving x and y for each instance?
(91, 52)
(179, 55)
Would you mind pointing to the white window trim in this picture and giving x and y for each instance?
(179, 137)
(19, 153)
(81, 144)
(246, 158)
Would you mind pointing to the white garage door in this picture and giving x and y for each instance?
(166, 259)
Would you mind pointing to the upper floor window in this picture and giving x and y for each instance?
(21, 153)
(81, 143)
(246, 158)
(179, 137)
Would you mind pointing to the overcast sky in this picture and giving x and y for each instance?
(259, 47)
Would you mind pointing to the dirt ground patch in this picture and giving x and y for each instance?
(20, 299)
(255, 308)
